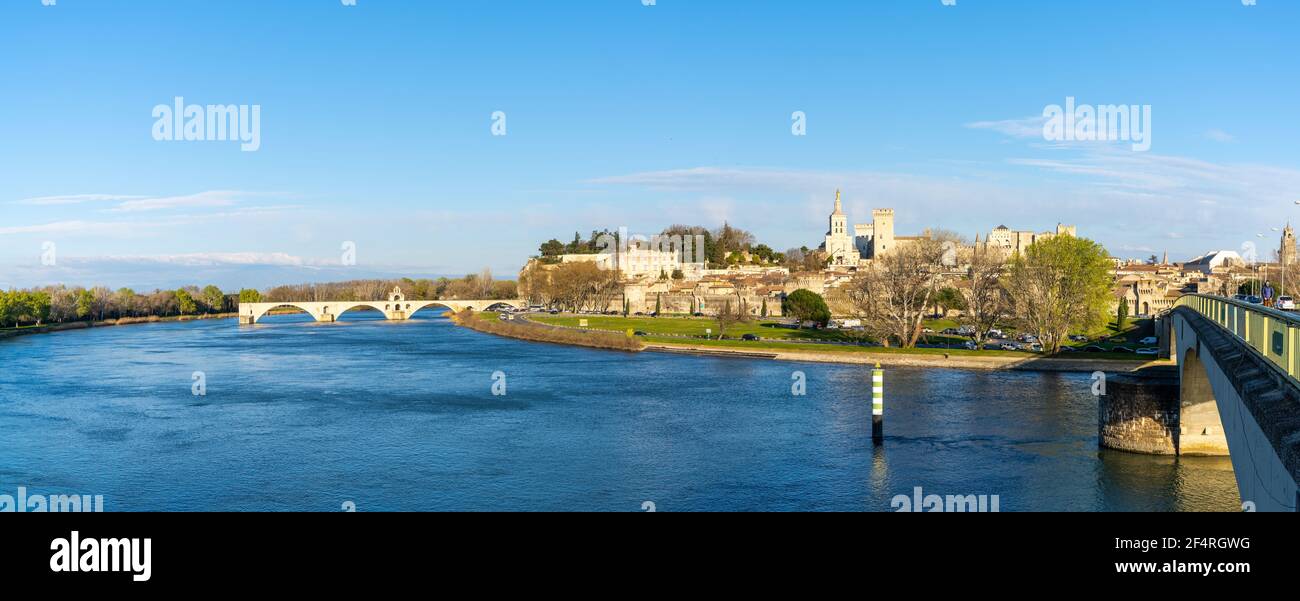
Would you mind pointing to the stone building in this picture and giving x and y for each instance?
(840, 246)
(849, 248)
(1016, 241)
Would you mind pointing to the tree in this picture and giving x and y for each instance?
(85, 304)
(7, 309)
(728, 317)
(1060, 285)
(1121, 315)
(985, 298)
(892, 294)
(551, 250)
(484, 283)
(249, 295)
(764, 311)
(38, 306)
(658, 304)
(948, 298)
(806, 305)
(678, 275)
(214, 298)
(185, 303)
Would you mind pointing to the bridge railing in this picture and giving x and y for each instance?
(1272, 333)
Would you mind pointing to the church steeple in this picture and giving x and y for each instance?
(838, 210)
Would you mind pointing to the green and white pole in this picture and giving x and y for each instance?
(878, 405)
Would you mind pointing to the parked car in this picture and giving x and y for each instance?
(1149, 340)
(697, 314)
(1007, 346)
(927, 331)
(638, 333)
(1092, 348)
(1148, 351)
(1069, 349)
(555, 311)
(1254, 300)
(949, 331)
(1286, 303)
(749, 337)
(995, 334)
(1121, 349)
(1078, 338)
(1240, 297)
(970, 345)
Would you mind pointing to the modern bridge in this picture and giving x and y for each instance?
(1238, 365)
(395, 307)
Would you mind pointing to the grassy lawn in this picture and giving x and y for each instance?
(773, 336)
(690, 326)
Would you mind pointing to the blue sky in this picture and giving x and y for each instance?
(376, 127)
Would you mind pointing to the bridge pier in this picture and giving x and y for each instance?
(1140, 413)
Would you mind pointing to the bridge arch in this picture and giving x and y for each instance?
(1200, 428)
(255, 312)
(339, 309)
(418, 306)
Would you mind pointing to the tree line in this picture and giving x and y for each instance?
(63, 304)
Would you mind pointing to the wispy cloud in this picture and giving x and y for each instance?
(214, 198)
(1219, 135)
(211, 259)
(1027, 127)
(75, 199)
(122, 203)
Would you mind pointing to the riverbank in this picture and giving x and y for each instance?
(527, 329)
(903, 358)
(488, 323)
(124, 321)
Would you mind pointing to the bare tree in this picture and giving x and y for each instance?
(986, 299)
(891, 295)
(729, 316)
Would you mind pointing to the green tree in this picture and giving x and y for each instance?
(85, 304)
(764, 311)
(7, 309)
(214, 298)
(678, 275)
(38, 306)
(185, 303)
(249, 295)
(948, 298)
(657, 303)
(1121, 315)
(551, 249)
(806, 305)
(1060, 285)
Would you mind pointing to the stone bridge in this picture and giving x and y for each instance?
(396, 307)
(1238, 365)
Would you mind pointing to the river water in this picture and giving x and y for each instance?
(403, 416)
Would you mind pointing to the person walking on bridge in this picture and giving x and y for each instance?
(1268, 294)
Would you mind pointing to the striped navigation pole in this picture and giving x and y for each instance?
(878, 405)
